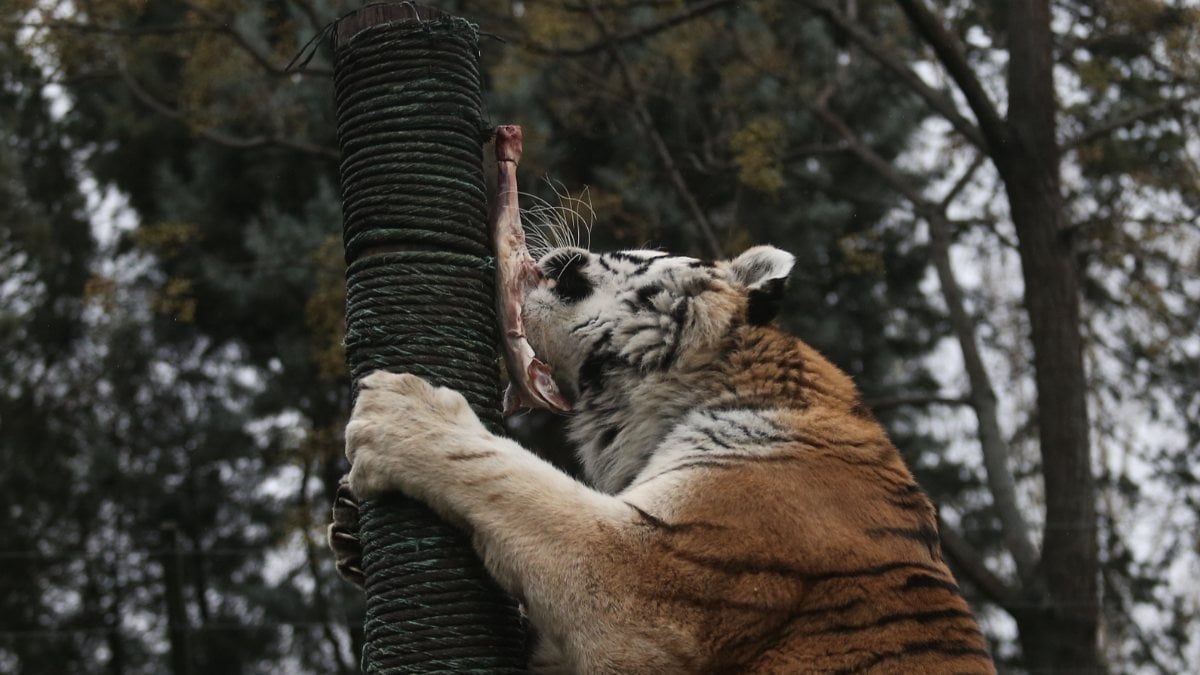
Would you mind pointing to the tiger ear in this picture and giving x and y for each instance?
(763, 271)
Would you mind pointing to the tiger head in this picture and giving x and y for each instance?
(622, 329)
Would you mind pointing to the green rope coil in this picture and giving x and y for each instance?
(420, 299)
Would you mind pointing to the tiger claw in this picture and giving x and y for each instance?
(342, 535)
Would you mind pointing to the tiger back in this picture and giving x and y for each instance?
(803, 527)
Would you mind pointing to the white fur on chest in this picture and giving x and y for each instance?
(621, 429)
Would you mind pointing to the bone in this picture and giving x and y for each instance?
(531, 381)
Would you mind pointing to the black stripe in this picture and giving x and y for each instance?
(594, 367)
(909, 497)
(882, 465)
(888, 619)
(771, 434)
(608, 436)
(679, 314)
(642, 264)
(673, 528)
(739, 407)
(774, 434)
(861, 411)
(922, 581)
(694, 464)
(754, 459)
(468, 456)
(645, 295)
(586, 323)
(947, 647)
(713, 459)
(712, 436)
(602, 340)
(744, 566)
(876, 571)
(630, 256)
(922, 535)
(910, 505)
(810, 441)
(623, 256)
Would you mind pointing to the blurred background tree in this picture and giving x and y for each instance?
(992, 204)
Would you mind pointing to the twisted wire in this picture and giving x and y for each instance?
(420, 299)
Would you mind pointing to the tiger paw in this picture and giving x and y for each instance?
(400, 427)
(342, 535)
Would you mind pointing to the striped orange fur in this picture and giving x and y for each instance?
(743, 511)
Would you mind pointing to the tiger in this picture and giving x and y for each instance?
(741, 510)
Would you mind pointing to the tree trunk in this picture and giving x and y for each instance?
(1061, 635)
(177, 622)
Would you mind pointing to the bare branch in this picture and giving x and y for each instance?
(967, 561)
(812, 150)
(962, 182)
(960, 224)
(264, 61)
(866, 155)
(310, 12)
(899, 401)
(215, 26)
(610, 41)
(86, 27)
(220, 138)
(983, 399)
(646, 121)
(950, 54)
(843, 193)
(1132, 117)
(872, 45)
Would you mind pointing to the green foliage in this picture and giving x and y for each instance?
(154, 442)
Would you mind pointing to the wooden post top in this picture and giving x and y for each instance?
(373, 15)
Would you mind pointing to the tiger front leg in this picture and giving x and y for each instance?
(567, 551)
(406, 435)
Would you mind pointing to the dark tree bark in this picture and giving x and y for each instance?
(177, 622)
(1062, 635)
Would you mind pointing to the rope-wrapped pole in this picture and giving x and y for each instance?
(420, 299)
